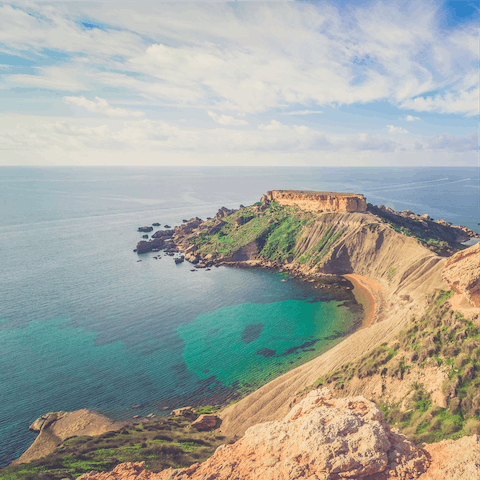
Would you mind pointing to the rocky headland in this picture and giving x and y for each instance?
(417, 355)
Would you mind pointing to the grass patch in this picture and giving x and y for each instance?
(180, 447)
(439, 337)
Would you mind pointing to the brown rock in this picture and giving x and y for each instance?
(54, 427)
(454, 460)
(323, 438)
(124, 471)
(462, 273)
(205, 422)
(315, 201)
(183, 412)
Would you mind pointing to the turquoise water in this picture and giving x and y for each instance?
(83, 324)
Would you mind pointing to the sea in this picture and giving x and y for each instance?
(85, 324)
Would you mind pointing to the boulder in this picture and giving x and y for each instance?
(145, 229)
(190, 257)
(163, 233)
(205, 422)
(144, 247)
(224, 212)
(183, 412)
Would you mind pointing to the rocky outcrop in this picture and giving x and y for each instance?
(163, 234)
(54, 427)
(224, 212)
(183, 412)
(315, 201)
(462, 273)
(446, 460)
(423, 226)
(187, 227)
(205, 422)
(144, 246)
(145, 229)
(454, 460)
(320, 438)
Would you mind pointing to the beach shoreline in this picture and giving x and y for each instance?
(368, 293)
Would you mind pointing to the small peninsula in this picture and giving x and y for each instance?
(398, 398)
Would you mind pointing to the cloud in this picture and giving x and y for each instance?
(409, 118)
(51, 78)
(450, 142)
(273, 125)
(226, 120)
(393, 129)
(101, 106)
(251, 59)
(303, 112)
(60, 140)
(464, 102)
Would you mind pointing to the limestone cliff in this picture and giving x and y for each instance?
(462, 272)
(318, 201)
(323, 438)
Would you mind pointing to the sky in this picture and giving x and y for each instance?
(297, 83)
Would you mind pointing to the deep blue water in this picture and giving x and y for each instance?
(83, 324)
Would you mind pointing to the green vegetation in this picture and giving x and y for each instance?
(391, 273)
(440, 337)
(281, 242)
(276, 231)
(427, 237)
(159, 443)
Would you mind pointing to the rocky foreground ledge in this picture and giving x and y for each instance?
(324, 438)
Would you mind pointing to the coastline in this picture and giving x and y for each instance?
(366, 292)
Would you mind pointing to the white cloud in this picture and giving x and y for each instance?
(59, 140)
(101, 106)
(303, 112)
(447, 141)
(226, 120)
(273, 125)
(252, 59)
(51, 78)
(464, 102)
(409, 118)
(393, 129)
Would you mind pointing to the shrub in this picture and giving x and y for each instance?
(472, 426)
(163, 437)
(449, 426)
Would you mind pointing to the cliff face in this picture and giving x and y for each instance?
(315, 201)
(462, 272)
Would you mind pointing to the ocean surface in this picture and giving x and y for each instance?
(84, 324)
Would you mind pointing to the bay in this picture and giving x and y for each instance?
(84, 324)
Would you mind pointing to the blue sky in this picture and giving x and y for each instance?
(239, 83)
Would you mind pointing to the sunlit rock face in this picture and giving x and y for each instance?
(462, 272)
(315, 201)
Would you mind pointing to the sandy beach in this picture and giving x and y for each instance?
(366, 291)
